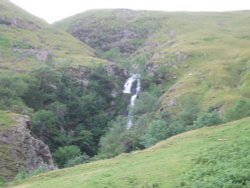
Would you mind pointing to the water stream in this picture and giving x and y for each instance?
(128, 89)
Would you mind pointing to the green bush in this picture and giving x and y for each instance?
(23, 174)
(68, 112)
(224, 165)
(175, 127)
(63, 154)
(2, 181)
(189, 110)
(240, 110)
(157, 131)
(44, 126)
(208, 119)
(111, 142)
(11, 90)
(39, 170)
(77, 160)
(112, 54)
(146, 103)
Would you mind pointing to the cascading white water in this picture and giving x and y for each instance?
(138, 86)
(129, 83)
(128, 89)
(132, 100)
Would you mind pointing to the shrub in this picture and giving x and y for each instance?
(112, 54)
(111, 141)
(23, 174)
(39, 170)
(11, 90)
(189, 110)
(63, 154)
(2, 181)
(146, 103)
(175, 128)
(44, 126)
(157, 131)
(208, 119)
(226, 165)
(77, 160)
(240, 110)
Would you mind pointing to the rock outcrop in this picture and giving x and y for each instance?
(18, 148)
(81, 74)
(117, 32)
(113, 69)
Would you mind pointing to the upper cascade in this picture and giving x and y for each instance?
(129, 83)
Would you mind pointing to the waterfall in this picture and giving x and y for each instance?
(128, 88)
(129, 83)
(132, 100)
(138, 86)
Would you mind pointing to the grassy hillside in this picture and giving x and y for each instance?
(113, 32)
(194, 70)
(167, 164)
(209, 58)
(205, 55)
(45, 72)
(5, 120)
(27, 42)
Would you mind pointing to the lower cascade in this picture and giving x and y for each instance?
(128, 89)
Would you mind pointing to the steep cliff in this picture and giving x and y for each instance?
(19, 148)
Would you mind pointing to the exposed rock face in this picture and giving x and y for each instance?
(119, 31)
(114, 70)
(19, 148)
(121, 39)
(81, 74)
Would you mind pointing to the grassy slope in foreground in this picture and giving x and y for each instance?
(160, 166)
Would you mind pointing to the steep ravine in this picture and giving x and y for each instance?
(20, 149)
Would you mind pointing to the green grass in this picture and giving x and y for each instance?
(219, 165)
(216, 46)
(5, 120)
(124, 38)
(163, 165)
(217, 73)
(217, 57)
(17, 43)
(6, 149)
(8, 9)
